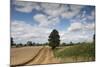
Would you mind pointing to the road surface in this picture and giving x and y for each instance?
(44, 57)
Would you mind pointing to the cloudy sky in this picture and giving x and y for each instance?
(33, 21)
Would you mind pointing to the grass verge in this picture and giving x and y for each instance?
(84, 52)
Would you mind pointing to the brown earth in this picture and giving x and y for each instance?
(23, 54)
(44, 57)
(32, 55)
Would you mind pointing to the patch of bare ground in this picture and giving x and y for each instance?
(44, 57)
(23, 54)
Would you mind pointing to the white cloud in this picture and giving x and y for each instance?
(76, 37)
(51, 6)
(26, 7)
(51, 9)
(40, 18)
(22, 32)
(54, 11)
(78, 32)
(72, 11)
(84, 17)
(62, 10)
(78, 26)
(90, 26)
(45, 21)
(51, 15)
(92, 16)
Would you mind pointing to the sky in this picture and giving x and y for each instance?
(34, 21)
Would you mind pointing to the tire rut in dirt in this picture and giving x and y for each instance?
(39, 58)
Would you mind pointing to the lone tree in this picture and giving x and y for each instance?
(54, 39)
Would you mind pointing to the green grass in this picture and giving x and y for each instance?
(83, 50)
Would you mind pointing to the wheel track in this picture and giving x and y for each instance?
(44, 56)
(39, 58)
(29, 60)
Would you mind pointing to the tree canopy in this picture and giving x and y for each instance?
(54, 39)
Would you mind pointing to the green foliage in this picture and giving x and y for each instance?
(12, 42)
(63, 44)
(33, 44)
(86, 50)
(29, 43)
(71, 43)
(19, 45)
(94, 38)
(54, 39)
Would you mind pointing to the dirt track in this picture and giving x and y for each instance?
(44, 57)
(30, 56)
(24, 54)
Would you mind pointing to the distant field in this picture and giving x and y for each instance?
(76, 53)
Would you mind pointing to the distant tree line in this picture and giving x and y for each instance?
(53, 41)
(29, 43)
(78, 43)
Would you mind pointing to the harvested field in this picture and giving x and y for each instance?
(23, 54)
(32, 55)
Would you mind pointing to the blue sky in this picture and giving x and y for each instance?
(33, 21)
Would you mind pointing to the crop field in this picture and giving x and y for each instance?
(23, 54)
(76, 53)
